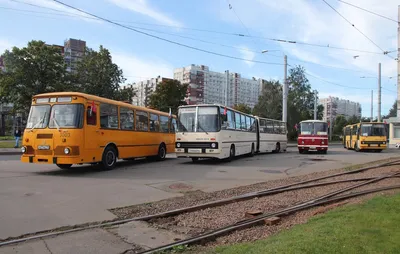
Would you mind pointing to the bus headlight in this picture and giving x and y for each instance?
(323, 142)
(213, 145)
(67, 151)
(178, 145)
(23, 149)
(384, 142)
(302, 142)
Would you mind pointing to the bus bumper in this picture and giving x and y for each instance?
(200, 152)
(50, 159)
(372, 147)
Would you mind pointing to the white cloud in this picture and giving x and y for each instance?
(247, 54)
(308, 21)
(5, 44)
(136, 69)
(142, 7)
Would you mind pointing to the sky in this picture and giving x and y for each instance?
(157, 36)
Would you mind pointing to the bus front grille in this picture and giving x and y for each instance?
(196, 144)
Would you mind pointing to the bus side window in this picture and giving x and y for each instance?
(142, 121)
(231, 119)
(154, 123)
(91, 116)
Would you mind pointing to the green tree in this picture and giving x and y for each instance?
(125, 94)
(339, 123)
(353, 120)
(392, 111)
(97, 74)
(243, 108)
(34, 69)
(320, 112)
(270, 101)
(301, 99)
(169, 94)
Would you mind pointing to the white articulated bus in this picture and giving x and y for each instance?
(215, 131)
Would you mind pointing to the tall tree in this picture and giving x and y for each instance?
(243, 108)
(97, 74)
(169, 94)
(125, 94)
(270, 101)
(340, 122)
(300, 99)
(37, 68)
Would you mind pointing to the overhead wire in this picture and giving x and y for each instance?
(279, 40)
(374, 13)
(163, 39)
(348, 21)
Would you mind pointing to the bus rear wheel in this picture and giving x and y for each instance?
(162, 153)
(252, 152)
(109, 158)
(231, 153)
(64, 166)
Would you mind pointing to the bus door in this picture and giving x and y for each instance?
(258, 133)
(92, 130)
(351, 137)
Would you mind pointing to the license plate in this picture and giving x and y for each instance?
(194, 150)
(313, 148)
(43, 147)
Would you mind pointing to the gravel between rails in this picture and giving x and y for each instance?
(199, 197)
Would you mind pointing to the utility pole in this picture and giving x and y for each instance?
(315, 105)
(398, 61)
(284, 92)
(372, 105)
(379, 92)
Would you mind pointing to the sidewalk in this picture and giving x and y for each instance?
(10, 151)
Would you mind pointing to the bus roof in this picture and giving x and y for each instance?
(99, 99)
(313, 121)
(349, 125)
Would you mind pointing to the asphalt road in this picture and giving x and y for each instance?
(39, 197)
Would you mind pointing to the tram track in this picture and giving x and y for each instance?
(238, 225)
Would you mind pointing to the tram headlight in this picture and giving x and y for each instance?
(67, 151)
(23, 149)
(213, 145)
(178, 145)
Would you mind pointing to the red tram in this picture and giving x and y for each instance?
(313, 136)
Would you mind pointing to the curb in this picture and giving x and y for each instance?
(10, 153)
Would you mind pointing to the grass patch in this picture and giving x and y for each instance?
(7, 138)
(371, 227)
(7, 144)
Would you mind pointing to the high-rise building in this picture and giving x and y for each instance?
(210, 87)
(342, 107)
(144, 89)
(73, 52)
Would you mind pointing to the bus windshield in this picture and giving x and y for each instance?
(373, 130)
(66, 116)
(38, 116)
(207, 119)
(310, 128)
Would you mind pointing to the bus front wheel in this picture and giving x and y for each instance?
(64, 166)
(109, 158)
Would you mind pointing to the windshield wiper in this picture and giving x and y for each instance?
(40, 121)
(198, 124)
(56, 123)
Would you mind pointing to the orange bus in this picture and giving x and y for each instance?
(69, 128)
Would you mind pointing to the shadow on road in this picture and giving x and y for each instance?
(96, 169)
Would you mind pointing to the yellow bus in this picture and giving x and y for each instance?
(69, 128)
(365, 136)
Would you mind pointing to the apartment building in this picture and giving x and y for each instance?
(206, 86)
(335, 106)
(144, 89)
